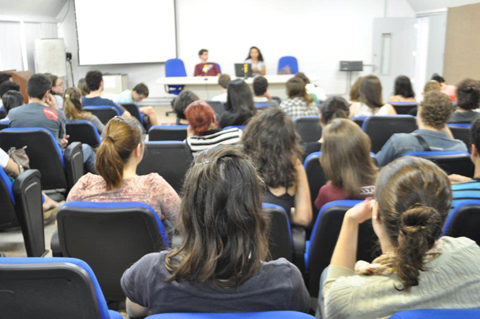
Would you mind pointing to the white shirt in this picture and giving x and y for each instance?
(364, 110)
(3, 158)
(220, 98)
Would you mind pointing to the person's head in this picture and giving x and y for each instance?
(371, 91)
(303, 77)
(475, 140)
(355, 90)
(224, 81)
(431, 85)
(403, 87)
(346, 157)
(38, 86)
(438, 78)
(239, 98)
(435, 109)
(203, 55)
(260, 85)
(82, 86)
(57, 85)
(5, 77)
(94, 80)
(182, 101)
(72, 105)
(140, 92)
(332, 108)
(200, 117)
(255, 54)
(413, 198)
(221, 218)
(9, 86)
(122, 144)
(296, 88)
(12, 99)
(468, 94)
(271, 142)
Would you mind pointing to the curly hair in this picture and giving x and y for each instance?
(436, 109)
(182, 101)
(271, 142)
(468, 94)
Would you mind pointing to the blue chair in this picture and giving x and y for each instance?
(4, 124)
(83, 131)
(218, 108)
(240, 127)
(174, 68)
(403, 107)
(3, 113)
(291, 61)
(438, 314)
(237, 315)
(51, 288)
(359, 120)
(167, 133)
(104, 113)
(308, 128)
(464, 220)
(381, 128)
(316, 177)
(134, 110)
(219, 68)
(280, 236)
(452, 162)
(461, 131)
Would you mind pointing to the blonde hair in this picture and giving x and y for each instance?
(72, 105)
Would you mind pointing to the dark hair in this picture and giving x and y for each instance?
(403, 87)
(475, 134)
(296, 88)
(93, 79)
(72, 105)
(9, 86)
(438, 78)
(141, 89)
(468, 94)
(38, 85)
(414, 197)
(12, 99)
(54, 79)
(202, 51)
(355, 90)
(240, 101)
(260, 85)
(224, 80)
(260, 56)
(334, 107)
(82, 86)
(221, 218)
(432, 85)
(435, 109)
(119, 139)
(182, 101)
(271, 142)
(303, 77)
(200, 116)
(4, 77)
(371, 92)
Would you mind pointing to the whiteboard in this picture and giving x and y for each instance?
(50, 57)
(125, 31)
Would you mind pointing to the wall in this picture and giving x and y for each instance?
(318, 33)
(432, 5)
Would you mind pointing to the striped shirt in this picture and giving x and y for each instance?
(213, 138)
(465, 191)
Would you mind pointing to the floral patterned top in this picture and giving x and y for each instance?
(150, 189)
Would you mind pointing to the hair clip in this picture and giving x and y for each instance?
(203, 163)
(67, 96)
(110, 138)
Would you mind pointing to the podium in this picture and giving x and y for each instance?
(21, 77)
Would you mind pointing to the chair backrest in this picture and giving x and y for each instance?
(316, 177)
(8, 216)
(84, 132)
(236, 315)
(291, 61)
(218, 108)
(175, 67)
(280, 236)
(110, 237)
(461, 132)
(451, 162)
(240, 127)
(4, 124)
(133, 109)
(381, 128)
(3, 113)
(170, 159)
(403, 107)
(104, 113)
(50, 288)
(359, 120)
(464, 220)
(43, 152)
(167, 133)
(308, 128)
(324, 237)
(438, 314)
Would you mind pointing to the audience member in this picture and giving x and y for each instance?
(260, 89)
(468, 99)
(8, 86)
(11, 99)
(271, 142)
(206, 68)
(429, 86)
(221, 265)
(223, 82)
(255, 58)
(317, 94)
(181, 102)
(449, 90)
(57, 89)
(136, 95)
(40, 112)
(403, 90)
(5, 77)
(73, 109)
(432, 134)
(117, 159)
(370, 99)
(239, 107)
(354, 93)
(346, 162)
(299, 102)
(94, 80)
(418, 269)
(203, 131)
(82, 86)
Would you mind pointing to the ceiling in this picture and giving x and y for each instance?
(37, 8)
(429, 5)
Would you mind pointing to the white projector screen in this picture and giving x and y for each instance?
(125, 31)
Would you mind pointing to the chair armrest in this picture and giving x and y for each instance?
(27, 191)
(55, 245)
(299, 236)
(74, 163)
(146, 121)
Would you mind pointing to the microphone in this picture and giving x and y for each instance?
(245, 70)
(205, 69)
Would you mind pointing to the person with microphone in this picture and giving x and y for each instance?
(206, 68)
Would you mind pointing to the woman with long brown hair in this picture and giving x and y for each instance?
(220, 266)
(72, 106)
(371, 99)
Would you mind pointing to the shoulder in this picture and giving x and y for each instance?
(90, 178)
(454, 245)
(281, 268)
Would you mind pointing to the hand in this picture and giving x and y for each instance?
(64, 141)
(51, 101)
(127, 115)
(361, 212)
(255, 69)
(455, 178)
(267, 95)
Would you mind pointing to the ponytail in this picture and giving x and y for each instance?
(72, 105)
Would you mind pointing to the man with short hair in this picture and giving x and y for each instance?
(260, 90)
(205, 68)
(5, 77)
(41, 112)
(223, 82)
(136, 95)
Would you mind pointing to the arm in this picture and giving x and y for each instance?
(390, 109)
(455, 178)
(168, 198)
(303, 205)
(135, 310)
(263, 71)
(387, 154)
(353, 109)
(12, 167)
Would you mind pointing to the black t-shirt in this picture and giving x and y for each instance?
(277, 286)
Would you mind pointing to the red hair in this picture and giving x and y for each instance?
(200, 116)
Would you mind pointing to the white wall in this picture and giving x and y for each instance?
(432, 5)
(318, 33)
